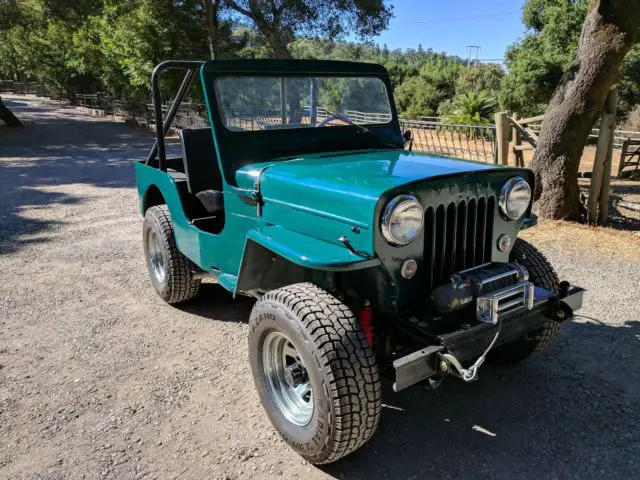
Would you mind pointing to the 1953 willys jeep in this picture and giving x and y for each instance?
(365, 258)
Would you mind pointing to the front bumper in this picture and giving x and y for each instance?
(466, 344)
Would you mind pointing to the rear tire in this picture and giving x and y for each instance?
(170, 271)
(339, 372)
(543, 275)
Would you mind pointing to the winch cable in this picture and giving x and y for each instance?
(470, 374)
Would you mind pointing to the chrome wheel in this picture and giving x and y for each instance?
(155, 257)
(287, 379)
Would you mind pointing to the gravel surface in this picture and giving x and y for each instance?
(100, 379)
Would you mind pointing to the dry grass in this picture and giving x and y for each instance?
(575, 237)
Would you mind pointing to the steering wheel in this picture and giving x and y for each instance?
(336, 116)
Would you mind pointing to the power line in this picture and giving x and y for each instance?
(442, 20)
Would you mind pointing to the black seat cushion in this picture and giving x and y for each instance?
(201, 168)
(178, 177)
(212, 200)
(200, 163)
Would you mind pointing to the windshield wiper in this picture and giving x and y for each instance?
(344, 118)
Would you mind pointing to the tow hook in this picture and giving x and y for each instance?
(561, 310)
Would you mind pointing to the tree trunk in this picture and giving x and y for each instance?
(609, 31)
(211, 9)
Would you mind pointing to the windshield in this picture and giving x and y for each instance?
(249, 103)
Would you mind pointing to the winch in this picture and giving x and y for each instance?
(474, 282)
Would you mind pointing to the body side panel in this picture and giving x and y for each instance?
(146, 177)
(219, 254)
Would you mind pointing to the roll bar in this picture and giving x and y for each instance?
(162, 126)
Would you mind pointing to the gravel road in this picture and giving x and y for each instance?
(100, 379)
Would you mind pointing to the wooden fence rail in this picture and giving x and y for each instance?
(524, 135)
(484, 143)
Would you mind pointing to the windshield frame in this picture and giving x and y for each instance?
(274, 145)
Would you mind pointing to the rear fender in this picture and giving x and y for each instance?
(152, 181)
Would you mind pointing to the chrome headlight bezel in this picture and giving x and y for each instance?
(404, 201)
(507, 210)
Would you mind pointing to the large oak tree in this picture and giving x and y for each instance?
(610, 29)
(281, 21)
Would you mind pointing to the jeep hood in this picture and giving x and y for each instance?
(343, 187)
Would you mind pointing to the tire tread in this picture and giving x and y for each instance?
(543, 275)
(182, 285)
(348, 362)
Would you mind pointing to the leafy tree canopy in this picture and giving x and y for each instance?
(112, 46)
(536, 64)
(282, 21)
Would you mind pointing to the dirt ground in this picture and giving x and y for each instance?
(100, 379)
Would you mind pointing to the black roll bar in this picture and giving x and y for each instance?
(162, 127)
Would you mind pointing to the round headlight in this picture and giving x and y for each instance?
(402, 220)
(515, 198)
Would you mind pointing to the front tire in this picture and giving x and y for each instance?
(543, 275)
(170, 270)
(302, 339)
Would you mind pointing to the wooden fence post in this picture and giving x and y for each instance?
(623, 155)
(602, 162)
(603, 211)
(502, 138)
(517, 142)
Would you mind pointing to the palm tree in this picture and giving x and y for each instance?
(471, 108)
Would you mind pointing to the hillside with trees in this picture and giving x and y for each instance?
(112, 46)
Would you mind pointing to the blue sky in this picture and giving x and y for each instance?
(447, 26)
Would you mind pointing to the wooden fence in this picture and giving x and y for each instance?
(524, 138)
(484, 143)
(467, 142)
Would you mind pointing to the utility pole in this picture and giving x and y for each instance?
(473, 53)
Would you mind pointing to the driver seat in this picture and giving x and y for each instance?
(204, 180)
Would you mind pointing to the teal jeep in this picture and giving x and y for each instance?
(366, 259)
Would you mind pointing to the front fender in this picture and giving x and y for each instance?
(274, 256)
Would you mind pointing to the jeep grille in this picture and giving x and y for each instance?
(457, 236)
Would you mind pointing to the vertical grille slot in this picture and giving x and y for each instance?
(450, 245)
(472, 222)
(488, 237)
(481, 229)
(457, 236)
(461, 244)
(430, 245)
(441, 240)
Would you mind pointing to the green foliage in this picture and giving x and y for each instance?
(282, 21)
(422, 79)
(416, 97)
(113, 45)
(536, 64)
(629, 83)
(10, 13)
(480, 78)
(471, 108)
